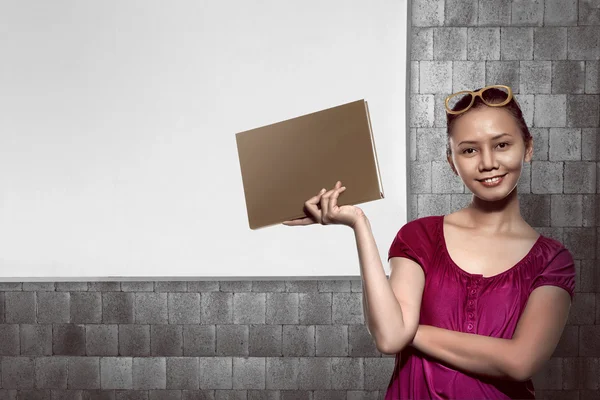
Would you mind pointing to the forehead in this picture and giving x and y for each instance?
(482, 122)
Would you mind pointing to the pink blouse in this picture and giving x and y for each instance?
(460, 301)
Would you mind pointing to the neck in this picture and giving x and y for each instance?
(495, 216)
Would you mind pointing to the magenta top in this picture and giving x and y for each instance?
(460, 301)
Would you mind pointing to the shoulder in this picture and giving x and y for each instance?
(429, 224)
(551, 249)
(420, 233)
(553, 265)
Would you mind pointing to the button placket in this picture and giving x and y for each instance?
(473, 289)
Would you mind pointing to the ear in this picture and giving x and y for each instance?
(529, 150)
(449, 158)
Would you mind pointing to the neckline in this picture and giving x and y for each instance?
(480, 276)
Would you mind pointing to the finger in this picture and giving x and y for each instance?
(334, 197)
(300, 221)
(311, 206)
(325, 207)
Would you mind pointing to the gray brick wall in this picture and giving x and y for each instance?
(548, 52)
(188, 340)
(290, 339)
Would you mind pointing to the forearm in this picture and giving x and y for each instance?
(383, 314)
(476, 354)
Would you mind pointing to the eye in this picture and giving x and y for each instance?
(503, 145)
(467, 151)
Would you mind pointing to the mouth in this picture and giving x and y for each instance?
(493, 181)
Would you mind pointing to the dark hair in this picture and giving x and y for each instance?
(493, 95)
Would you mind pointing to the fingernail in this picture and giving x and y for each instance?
(322, 191)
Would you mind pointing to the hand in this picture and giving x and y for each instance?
(330, 212)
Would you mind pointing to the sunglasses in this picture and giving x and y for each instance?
(493, 98)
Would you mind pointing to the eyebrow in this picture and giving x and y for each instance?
(494, 138)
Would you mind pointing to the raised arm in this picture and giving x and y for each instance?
(391, 307)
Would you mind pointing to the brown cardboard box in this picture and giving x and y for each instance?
(286, 163)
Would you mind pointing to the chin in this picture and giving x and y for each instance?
(493, 194)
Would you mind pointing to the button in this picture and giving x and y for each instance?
(470, 315)
(470, 327)
(473, 291)
(470, 302)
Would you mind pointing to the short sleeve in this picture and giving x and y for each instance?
(559, 271)
(412, 242)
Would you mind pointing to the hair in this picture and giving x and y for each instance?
(493, 95)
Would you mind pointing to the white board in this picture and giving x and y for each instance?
(117, 132)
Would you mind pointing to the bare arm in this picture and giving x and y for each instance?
(537, 334)
(391, 307)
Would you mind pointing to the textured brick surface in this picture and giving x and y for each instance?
(298, 340)
(134, 340)
(149, 373)
(421, 110)
(589, 12)
(516, 43)
(566, 210)
(568, 77)
(503, 73)
(560, 12)
(183, 308)
(443, 178)
(420, 180)
(468, 75)
(265, 340)
(461, 12)
(347, 373)
(590, 144)
(592, 77)
(10, 343)
(435, 77)
(494, 12)
(331, 340)
(483, 43)
(580, 177)
(583, 43)
(565, 144)
(86, 308)
(450, 43)
(583, 110)
(421, 44)
(527, 12)
(117, 308)
(536, 77)
(546, 177)
(550, 111)
(282, 308)
(314, 308)
(550, 43)
(166, 340)
(182, 373)
(19, 307)
(428, 13)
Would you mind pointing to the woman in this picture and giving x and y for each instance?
(477, 300)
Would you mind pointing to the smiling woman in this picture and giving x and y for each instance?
(486, 323)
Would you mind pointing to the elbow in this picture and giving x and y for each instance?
(521, 370)
(394, 344)
(389, 347)
(520, 375)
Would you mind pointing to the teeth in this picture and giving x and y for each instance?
(493, 180)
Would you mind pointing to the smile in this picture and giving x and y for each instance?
(492, 181)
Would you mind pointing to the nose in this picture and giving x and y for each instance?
(487, 160)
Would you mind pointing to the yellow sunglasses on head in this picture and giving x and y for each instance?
(490, 98)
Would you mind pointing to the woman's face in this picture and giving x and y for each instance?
(486, 142)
